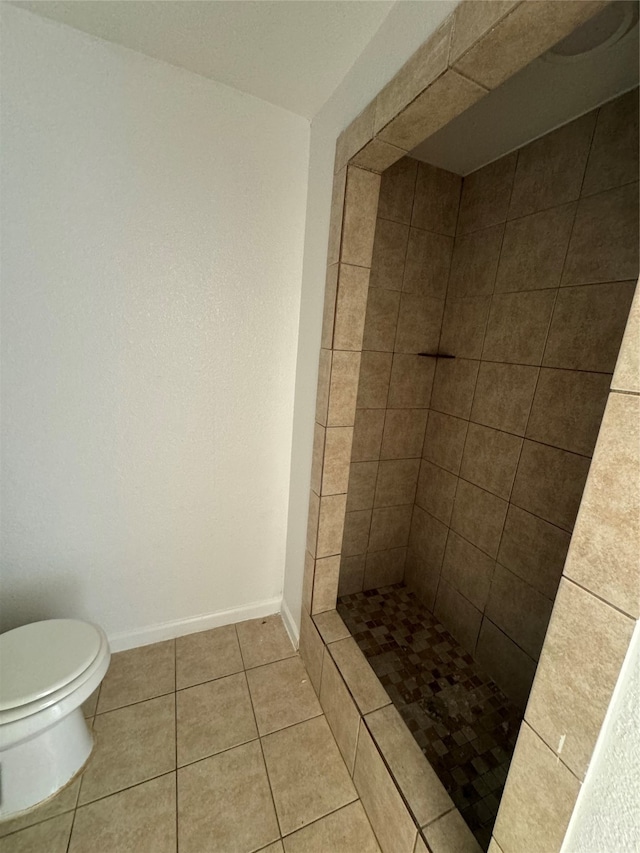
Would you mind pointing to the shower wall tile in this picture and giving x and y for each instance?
(317, 459)
(427, 263)
(351, 574)
(343, 388)
(397, 480)
(421, 579)
(468, 569)
(475, 262)
(427, 541)
(444, 440)
(330, 525)
(377, 156)
(504, 394)
(518, 326)
(358, 225)
(373, 384)
(490, 459)
(362, 485)
(389, 251)
(351, 303)
(367, 434)
(324, 381)
(381, 320)
(454, 385)
(325, 584)
(509, 600)
(613, 160)
(479, 517)
(411, 381)
(627, 372)
(329, 311)
(437, 196)
(419, 323)
(436, 491)
(509, 666)
(396, 191)
(356, 532)
(403, 433)
(463, 326)
(485, 195)
(307, 581)
(390, 527)
(383, 568)
(337, 455)
(459, 615)
(472, 20)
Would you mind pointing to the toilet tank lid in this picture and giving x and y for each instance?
(39, 658)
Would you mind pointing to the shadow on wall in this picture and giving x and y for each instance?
(36, 599)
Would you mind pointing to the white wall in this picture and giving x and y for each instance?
(406, 27)
(152, 237)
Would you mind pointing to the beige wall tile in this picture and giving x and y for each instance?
(518, 326)
(450, 833)
(397, 480)
(383, 568)
(490, 459)
(579, 666)
(311, 649)
(437, 196)
(604, 240)
(325, 584)
(330, 525)
(307, 580)
(351, 307)
(444, 440)
(454, 385)
(427, 264)
(362, 485)
(351, 574)
(538, 798)
(436, 491)
(337, 454)
(390, 527)
(505, 662)
(389, 817)
(317, 460)
(568, 408)
(335, 223)
(534, 250)
(503, 396)
(463, 326)
(603, 556)
(518, 610)
(403, 433)
(427, 542)
(550, 170)
(587, 326)
(324, 380)
(373, 387)
(549, 483)
(410, 382)
(416, 74)
(522, 35)
(475, 262)
(355, 136)
(359, 222)
(396, 190)
(346, 829)
(447, 97)
(534, 550)
(330, 626)
(459, 616)
(478, 516)
(381, 320)
(367, 434)
(627, 372)
(467, 569)
(420, 786)
(420, 580)
(281, 694)
(419, 323)
(472, 21)
(329, 311)
(613, 159)
(389, 252)
(312, 522)
(356, 532)
(377, 156)
(485, 195)
(343, 389)
(363, 683)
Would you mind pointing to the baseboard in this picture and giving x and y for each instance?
(290, 624)
(180, 627)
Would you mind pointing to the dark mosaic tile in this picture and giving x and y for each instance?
(464, 724)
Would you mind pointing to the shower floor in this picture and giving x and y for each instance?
(463, 722)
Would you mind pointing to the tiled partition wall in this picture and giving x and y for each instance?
(478, 47)
(543, 273)
(417, 213)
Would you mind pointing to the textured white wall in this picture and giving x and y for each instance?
(606, 818)
(152, 238)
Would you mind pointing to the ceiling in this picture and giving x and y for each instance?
(293, 54)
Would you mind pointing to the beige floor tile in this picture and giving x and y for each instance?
(138, 674)
(213, 717)
(331, 626)
(51, 836)
(139, 819)
(282, 695)
(90, 705)
(224, 803)
(207, 655)
(133, 744)
(63, 802)
(264, 641)
(308, 777)
(276, 847)
(344, 831)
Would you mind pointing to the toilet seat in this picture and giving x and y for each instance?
(42, 662)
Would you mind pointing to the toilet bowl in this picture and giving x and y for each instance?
(47, 670)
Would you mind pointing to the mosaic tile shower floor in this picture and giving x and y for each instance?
(463, 722)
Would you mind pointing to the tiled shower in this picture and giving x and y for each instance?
(467, 471)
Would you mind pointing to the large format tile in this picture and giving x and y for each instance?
(461, 618)
(64, 801)
(373, 384)
(450, 833)
(344, 831)
(133, 744)
(264, 641)
(367, 435)
(613, 159)
(444, 440)
(351, 575)
(627, 372)
(384, 567)
(390, 527)
(517, 327)
(343, 388)
(357, 525)
(411, 381)
(518, 610)
(207, 655)
(503, 396)
(213, 717)
(282, 695)
(436, 491)
(351, 306)
(358, 226)
(361, 680)
(330, 532)
(50, 836)
(463, 326)
(311, 649)
(224, 803)
(362, 485)
(325, 584)
(138, 674)
(381, 320)
(337, 455)
(419, 323)
(331, 626)
(403, 433)
(427, 264)
(437, 194)
(340, 710)
(506, 663)
(454, 385)
(467, 569)
(479, 516)
(427, 542)
(474, 262)
(308, 777)
(396, 483)
(396, 190)
(485, 195)
(141, 818)
(472, 21)
(389, 251)
(490, 459)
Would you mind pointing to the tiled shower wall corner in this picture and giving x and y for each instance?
(543, 273)
(415, 227)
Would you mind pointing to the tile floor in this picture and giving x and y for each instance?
(211, 743)
(463, 722)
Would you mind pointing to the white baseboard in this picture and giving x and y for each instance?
(181, 627)
(290, 624)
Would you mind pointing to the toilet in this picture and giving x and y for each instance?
(47, 670)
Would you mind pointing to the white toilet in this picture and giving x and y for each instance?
(47, 670)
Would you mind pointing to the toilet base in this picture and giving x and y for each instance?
(37, 768)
